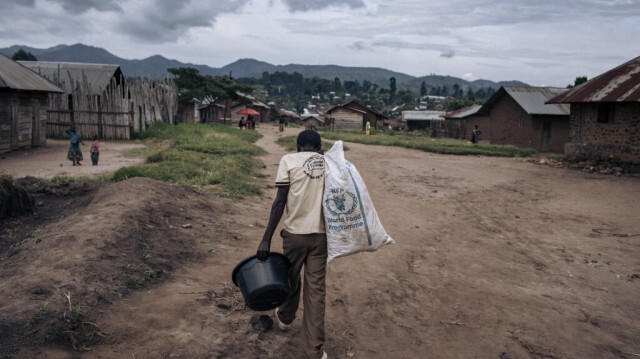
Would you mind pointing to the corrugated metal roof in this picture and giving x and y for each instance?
(98, 75)
(463, 112)
(17, 77)
(533, 100)
(423, 115)
(621, 84)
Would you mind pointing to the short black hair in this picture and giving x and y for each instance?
(309, 138)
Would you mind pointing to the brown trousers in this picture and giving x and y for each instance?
(310, 251)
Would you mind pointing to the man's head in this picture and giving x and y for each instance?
(309, 141)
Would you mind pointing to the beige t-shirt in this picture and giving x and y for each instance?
(303, 172)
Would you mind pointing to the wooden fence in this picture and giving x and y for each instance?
(122, 109)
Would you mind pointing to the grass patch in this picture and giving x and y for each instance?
(423, 142)
(200, 154)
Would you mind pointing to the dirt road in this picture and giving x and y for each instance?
(51, 160)
(495, 258)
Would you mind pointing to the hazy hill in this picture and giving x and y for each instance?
(156, 66)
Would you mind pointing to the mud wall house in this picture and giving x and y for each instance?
(262, 109)
(462, 121)
(99, 100)
(24, 99)
(605, 115)
(519, 116)
(354, 115)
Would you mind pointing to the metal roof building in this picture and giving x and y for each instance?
(532, 100)
(423, 115)
(621, 84)
(68, 74)
(463, 112)
(16, 77)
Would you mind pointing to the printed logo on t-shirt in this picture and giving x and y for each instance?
(313, 167)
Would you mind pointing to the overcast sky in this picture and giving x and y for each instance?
(540, 42)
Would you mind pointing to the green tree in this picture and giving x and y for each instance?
(392, 87)
(579, 80)
(337, 86)
(423, 89)
(193, 85)
(22, 55)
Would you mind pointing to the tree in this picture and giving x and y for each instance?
(423, 89)
(579, 80)
(392, 87)
(22, 55)
(337, 86)
(193, 85)
(456, 88)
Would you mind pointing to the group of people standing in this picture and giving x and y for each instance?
(75, 154)
(249, 124)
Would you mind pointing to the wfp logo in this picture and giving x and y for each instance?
(340, 202)
(313, 167)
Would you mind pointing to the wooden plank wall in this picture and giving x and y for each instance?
(118, 112)
(22, 119)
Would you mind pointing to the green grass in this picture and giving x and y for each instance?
(200, 154)
(422, 142)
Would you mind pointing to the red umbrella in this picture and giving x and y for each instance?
(248, 111)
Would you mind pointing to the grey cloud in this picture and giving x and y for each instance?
(448, 54)
(81, 6)
(358, 46)
(171, 19)
(10, 3)
(307, 5)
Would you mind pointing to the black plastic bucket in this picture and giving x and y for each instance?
(264, 283)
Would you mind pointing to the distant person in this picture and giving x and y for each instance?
(74, 155)
(281, 124)
(368, 128)
(475, 135)
(95, 150)
(300, 184)
(241, 123)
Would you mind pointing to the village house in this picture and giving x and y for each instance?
(519, 116)
(24, 99)
(353, 115)
(289, 116)
(211, 112)
(422, 120)
(313, 121)
(605, 115)
(465, 120)
(98, 100)
(264, 111)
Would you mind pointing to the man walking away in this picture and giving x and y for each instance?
(300, 183)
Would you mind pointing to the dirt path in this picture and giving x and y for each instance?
(495, 258)
(51, 160)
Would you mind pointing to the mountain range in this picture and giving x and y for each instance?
(156, 66)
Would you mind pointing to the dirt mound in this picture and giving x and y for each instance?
(86, 246)
(14, 199)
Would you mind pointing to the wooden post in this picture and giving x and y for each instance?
(100, 119)
(71, 114)
(131, 117)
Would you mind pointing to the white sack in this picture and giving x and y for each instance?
(352, 223)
